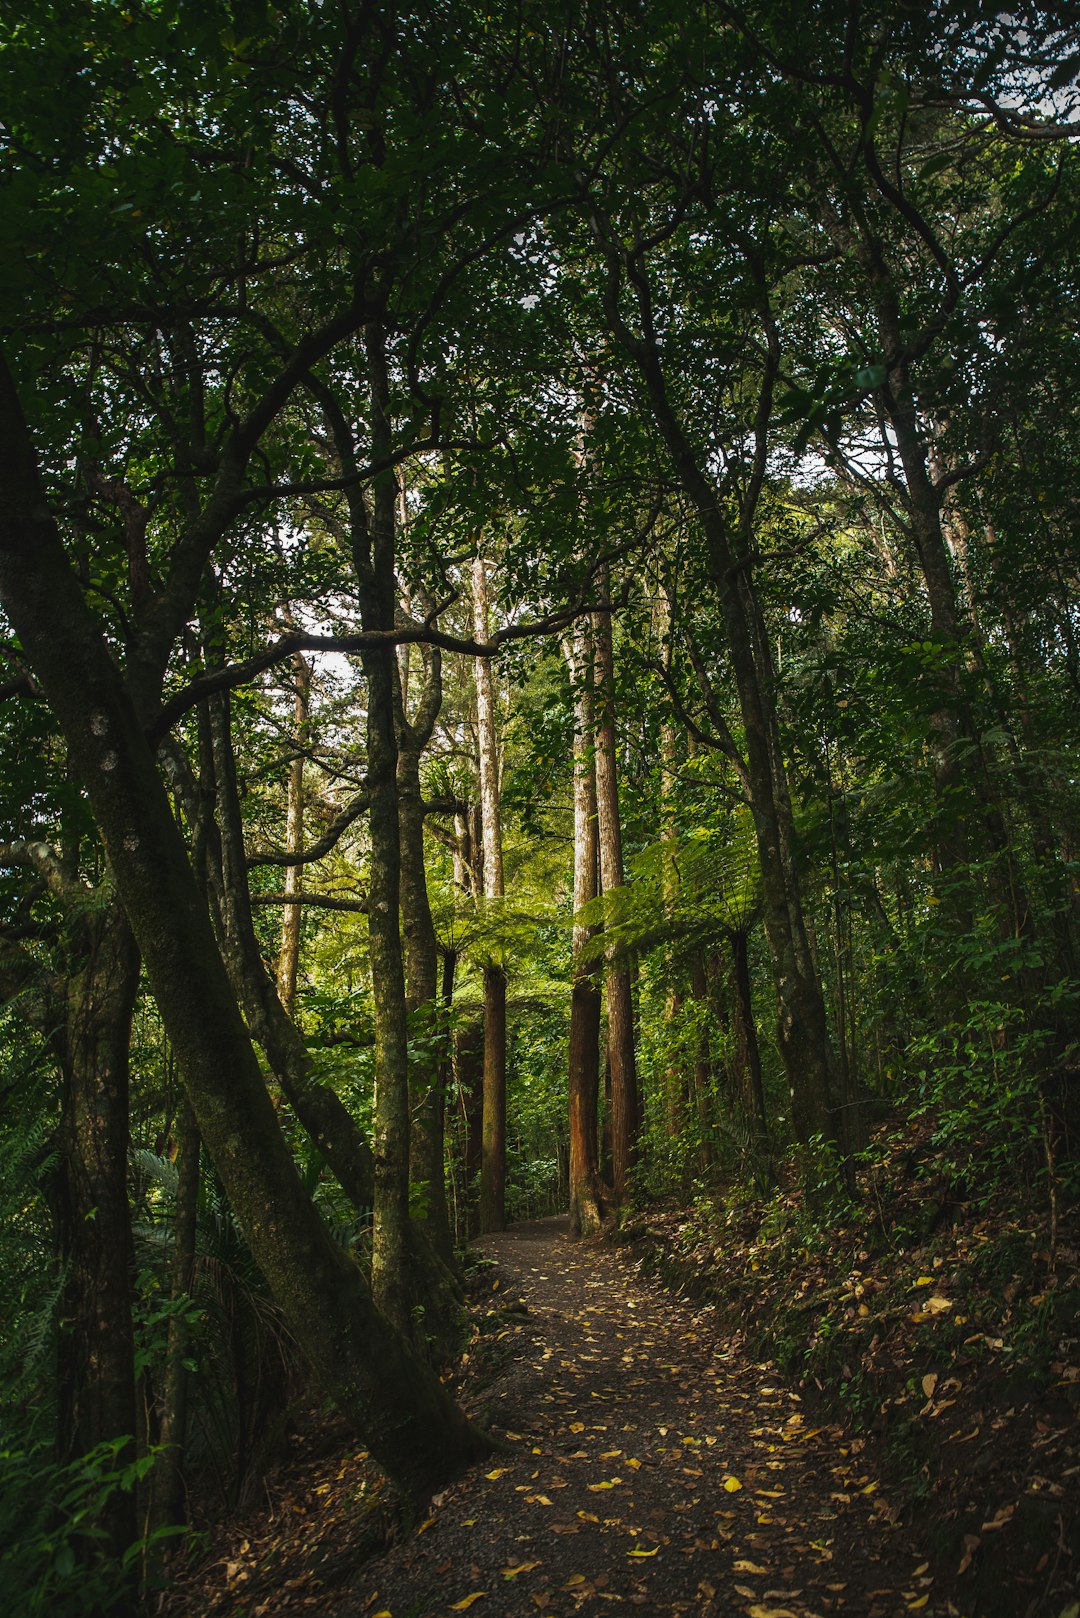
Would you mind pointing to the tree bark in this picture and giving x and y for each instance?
(493, 1165)
(621, 1056)
(96, 1389)
(405, 1416)
(289, 953)
(428, 1011)
(167, 1480)
(803, 1029)
(586, 1196)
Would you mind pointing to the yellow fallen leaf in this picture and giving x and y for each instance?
(937, 1305)
(635, 1466)
(637, 1552)
(913, 1606)
(743, 1566)
(594, 1488)
(929, 1383)
(499, 1472)
(467, 1601)
(424, 1526)
(768, 1494)
(732, 1485)
(925, 1281)
(577, 1426)
(587, 1516)
(611, 1455)
(522, 1567)
(758, 1611)
(537, 1500)
(574, 1579)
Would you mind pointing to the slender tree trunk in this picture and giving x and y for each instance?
(751, 1091)
(167, 1479)
(377, 590)
(586, 1201)
(699, 988)
(289, 954)
(618, 982)
(424, 1006)
(321, 1111)
(405, 1416)
(493, 1167)
(97, 1356)
(803, 1031)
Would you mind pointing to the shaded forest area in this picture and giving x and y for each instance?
(541, 672)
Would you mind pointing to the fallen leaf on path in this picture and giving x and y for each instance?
(999, 1519)
(743, 1566)
(732, 1485)
(499, 1472)
(638, 1552)
(467, 1601)
(522, 1567)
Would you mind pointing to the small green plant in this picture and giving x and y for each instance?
(55, 1558)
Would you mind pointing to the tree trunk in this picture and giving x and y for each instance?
(167, 1480)
(97, 1355)
(586, 1200)
(321, 1111)
(618, 982)
(428, 1012)
(803, 1031)
(374, 547)
(751, 1093)
(493, 1166)
(402, 1412)
(289, 953)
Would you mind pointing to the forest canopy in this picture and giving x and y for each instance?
(540, 670)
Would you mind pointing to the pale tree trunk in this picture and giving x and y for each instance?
(583, 1080)
(293, 884)
(669, 754)
(621, 1057)
(400, 1409)
(493, 1166)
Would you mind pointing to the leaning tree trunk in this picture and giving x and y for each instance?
(622, 1063)
(321, 1111)
(583, 1082)
(493, 1165)
(803, 1028)
(401, 1410)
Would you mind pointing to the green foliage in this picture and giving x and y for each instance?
(50, 1531)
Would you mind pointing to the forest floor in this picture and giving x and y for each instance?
(667, 1454)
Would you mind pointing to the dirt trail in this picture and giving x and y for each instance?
(648, 1466)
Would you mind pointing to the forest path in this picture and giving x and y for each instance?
(650, 1465)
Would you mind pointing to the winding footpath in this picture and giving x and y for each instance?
(648, 1465)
